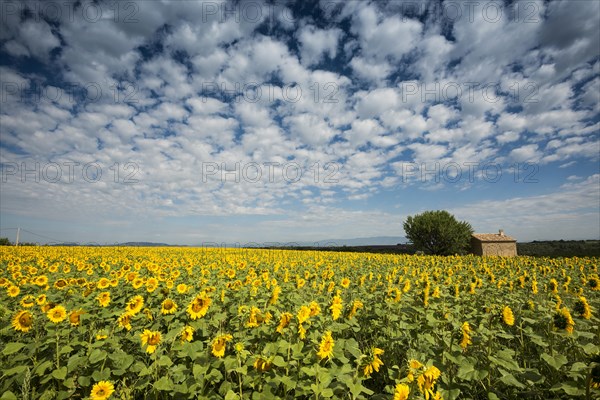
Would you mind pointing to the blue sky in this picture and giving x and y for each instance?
(190, 122)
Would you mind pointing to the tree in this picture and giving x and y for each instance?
(438, 232)
(4, 242)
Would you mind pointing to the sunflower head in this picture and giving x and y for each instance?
(57, 314)
(74, 317)
(102, 390)
(22, 321)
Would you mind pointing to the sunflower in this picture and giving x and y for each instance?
(314, 308)
(563, 320)
(182, 288)
(104, 299)
(262, 364)
(41, 280)
(326, 346)
(356, 305)
(466, 335)
(427, 380)
(103, 283)
(148, 314)
(151, 339)
(137, 283)
(124, 321)
(553, 286)
(168, 307)
(284, 321)
(57, 314)
(594, 283)
(507, 316)
(345, 283)
(47, 306)
(13, 291)
(23, 321)
(303, 314)
(74, 317)
(101, 335)
(102, 390)
(253, 318)
(219, 344)
(330, 287)
(415, 365)
(402, 391)
(301, 331)
(275, 295)
(375, 362)
(28, 301)
(582, 308)
(336, 307)
(151, 285)
(300, 283)
(199, 306)
(134, 305)
(61, 283)
(187, 334)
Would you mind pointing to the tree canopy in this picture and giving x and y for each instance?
(438, 232)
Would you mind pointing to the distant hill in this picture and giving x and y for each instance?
(143, 244)
(364, 241)
(126, 244)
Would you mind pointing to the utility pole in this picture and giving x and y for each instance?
(18, 231)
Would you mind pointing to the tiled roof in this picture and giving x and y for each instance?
(493, 237)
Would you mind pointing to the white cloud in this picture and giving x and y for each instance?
(315, 43)
(527, 153)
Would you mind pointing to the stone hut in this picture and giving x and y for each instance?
(493, 244)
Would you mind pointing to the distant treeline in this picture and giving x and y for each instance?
(546, 248)
(560, 248)
(550, 248)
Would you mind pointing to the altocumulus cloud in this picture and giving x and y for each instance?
(201, 121)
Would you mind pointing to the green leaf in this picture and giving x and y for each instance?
(163, 383)
(492, 396)
(452, 394)
(288, 382)
(466, 371)
(231, 395)
(41, 368)
(165, 361)
(69, 383)
(509, 379)
(84, 381)
(199, 371)
(578, 367)
(12, 348)
(279, 361)
(103, 375)
(15, 370)
(570, 388)
(60, 373)
(555, 362)
(328, 392)
(97, 355)
(8, 395)
(590, 348)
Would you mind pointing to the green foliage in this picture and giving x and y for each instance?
(438, 232)
(4, 242)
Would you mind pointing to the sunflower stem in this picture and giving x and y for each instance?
(57, 349)
(240, 377)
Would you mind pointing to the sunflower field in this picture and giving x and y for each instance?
(192, 323)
